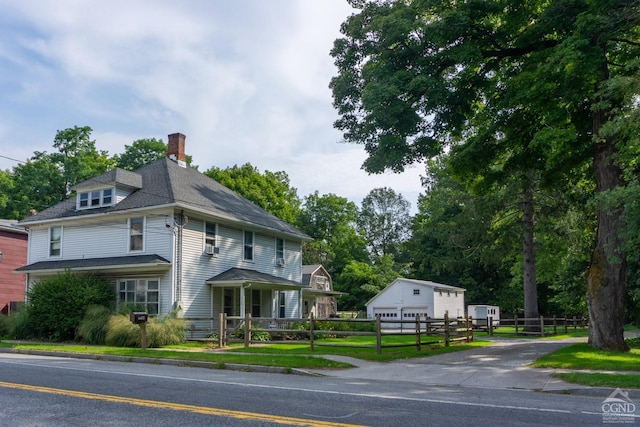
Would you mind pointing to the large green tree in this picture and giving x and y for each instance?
(331, 221)
(416, 76)
(272, 191)
(384, 221)
(142, 152)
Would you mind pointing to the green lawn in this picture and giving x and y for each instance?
(582, 357)
(289, 355)
(613, 368)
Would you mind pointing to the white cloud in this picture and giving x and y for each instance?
(246, 81)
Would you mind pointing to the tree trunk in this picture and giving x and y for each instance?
(606, 278)
(529, 258)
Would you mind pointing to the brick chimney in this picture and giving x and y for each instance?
(175, 151)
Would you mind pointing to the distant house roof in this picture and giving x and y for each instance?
(12, 226)
(243, 275)
(117, 176)
(165, 183)
(414, 282)
(96, 263)
(307, 271)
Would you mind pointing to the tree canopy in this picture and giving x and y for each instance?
(520, 86)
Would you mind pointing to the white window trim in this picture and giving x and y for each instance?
(146, 281)
(144, 235)
(253, 246)
(49, 241)
(216, 236)
(280, 261)
(101, 204)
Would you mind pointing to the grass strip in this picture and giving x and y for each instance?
(623, 381)
(583, 356)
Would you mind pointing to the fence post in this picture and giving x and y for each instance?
(378, 335)
(418, 332)
(574, 322)
(541, 326)
(555, 330)
(515, 322)
(490, 325)
(446, 329)
(311, 331)
(469, 329)
(247, 330)
(221, 328)
(565, 324)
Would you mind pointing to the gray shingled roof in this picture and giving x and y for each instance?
(111, 262)
(166, 183)
(250, 276)
(12, 226)
(117, 176)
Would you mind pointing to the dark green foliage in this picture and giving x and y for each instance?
(262, 336)
(5, 326)
(93, 328)
(57, 305)
(633, 342)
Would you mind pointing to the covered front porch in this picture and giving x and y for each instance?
(239, 291)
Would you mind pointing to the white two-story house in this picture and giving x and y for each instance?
(168, 236)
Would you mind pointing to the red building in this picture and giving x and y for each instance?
(13, 250)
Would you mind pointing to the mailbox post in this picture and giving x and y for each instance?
(140, 318)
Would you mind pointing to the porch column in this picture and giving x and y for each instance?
(300, 304)
(242, 301)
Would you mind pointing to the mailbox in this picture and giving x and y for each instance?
(138, 317)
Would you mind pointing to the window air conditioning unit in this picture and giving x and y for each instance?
(280, 262)
(212, 250)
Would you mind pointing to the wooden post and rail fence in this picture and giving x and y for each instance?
(426, 331)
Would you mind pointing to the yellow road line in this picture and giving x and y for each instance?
(178, 406)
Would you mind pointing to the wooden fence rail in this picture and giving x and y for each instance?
(531, 326)
(226, 329)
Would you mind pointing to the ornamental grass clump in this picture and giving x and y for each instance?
(168, 330)
(93, 328)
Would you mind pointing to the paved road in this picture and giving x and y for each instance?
(502, 365)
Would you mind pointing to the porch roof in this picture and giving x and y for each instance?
(98, 264)
(242, 276)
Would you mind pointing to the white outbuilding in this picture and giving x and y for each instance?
(403, 299)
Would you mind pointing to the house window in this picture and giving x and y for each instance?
(210, 237)
(55, 241)
(136, 233)
(322, 283)
(416, 291)
(279, 252)
(140, 293)
(95, 198)
(281, 306)
(248, 246)
(107, 196)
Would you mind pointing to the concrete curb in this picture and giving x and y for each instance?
(170, 362)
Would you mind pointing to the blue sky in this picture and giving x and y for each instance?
(245, 81)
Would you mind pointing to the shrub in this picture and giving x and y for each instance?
(263, 336)
(633, 342)
(5, 325)
(57, 305)
(168, 330)
(93, 328)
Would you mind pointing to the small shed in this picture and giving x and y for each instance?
(481, 313)
(403, 299)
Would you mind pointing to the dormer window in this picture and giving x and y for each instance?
(95, 198)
